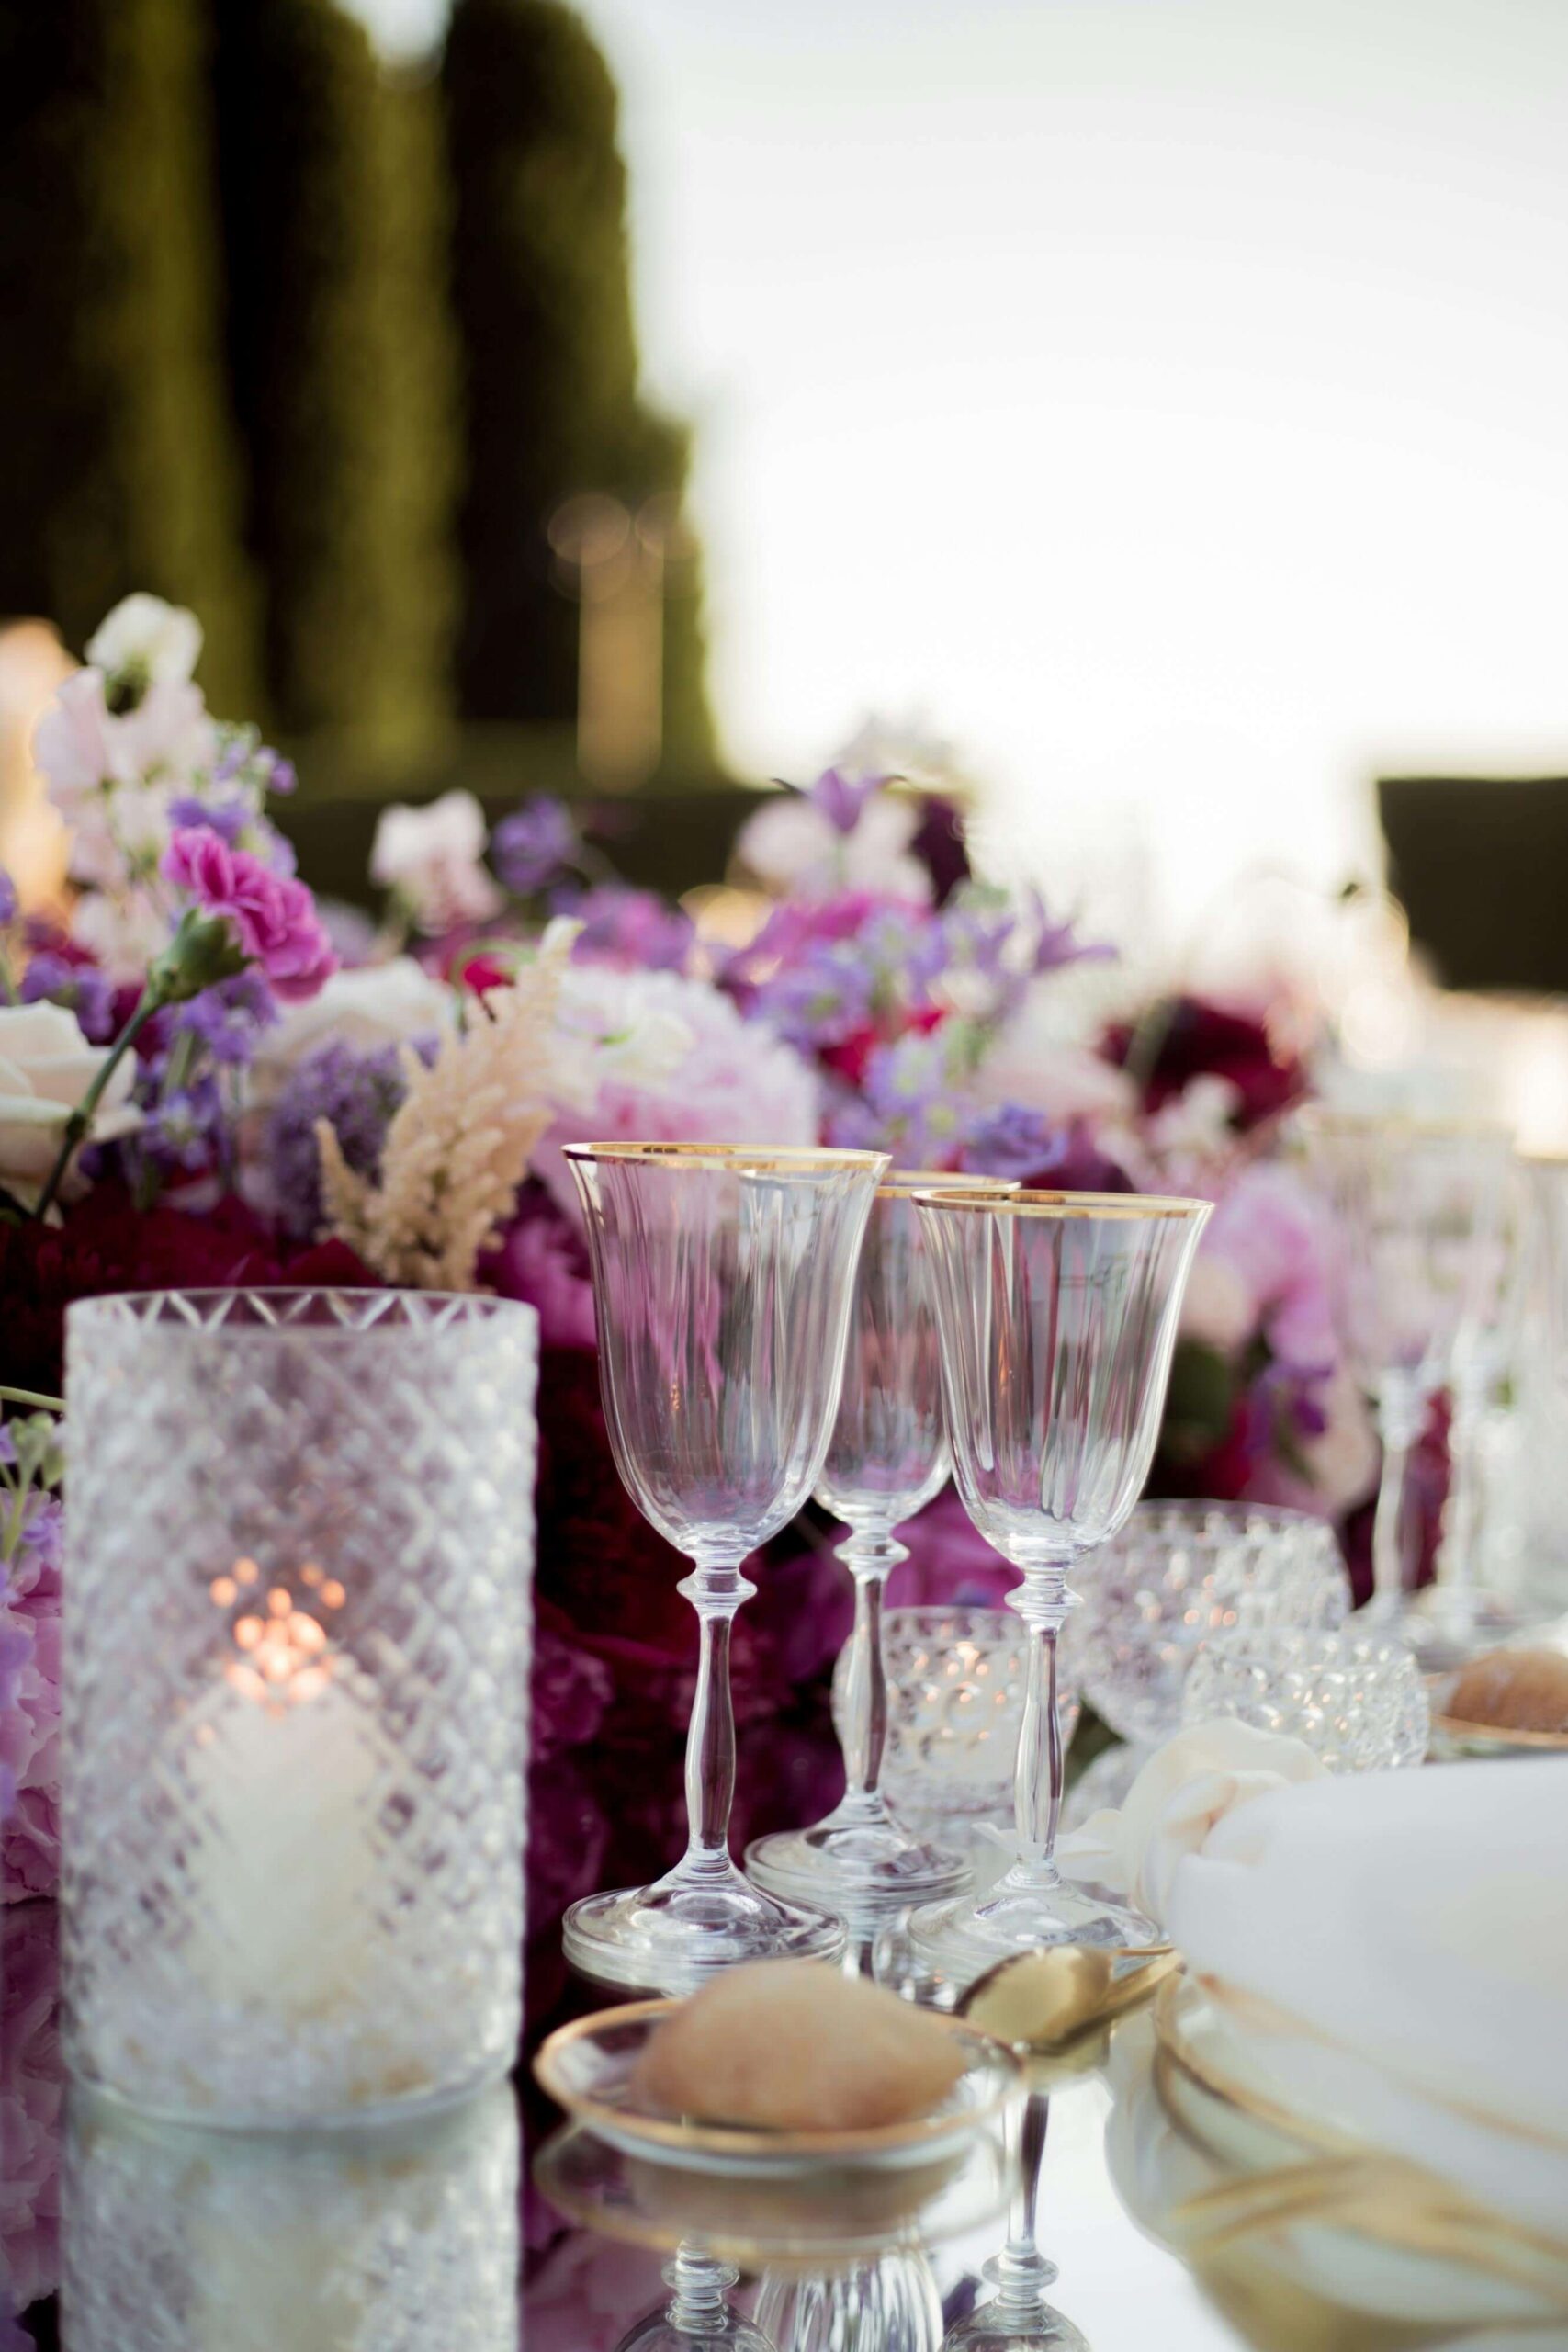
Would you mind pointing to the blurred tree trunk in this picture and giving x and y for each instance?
(343, 364)
(118, 463)
(542, 293)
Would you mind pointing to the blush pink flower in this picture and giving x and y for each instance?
(273, 916)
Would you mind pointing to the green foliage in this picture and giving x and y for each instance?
(542, 294)
(343, 365)
(1202, 1398)
(118, 469)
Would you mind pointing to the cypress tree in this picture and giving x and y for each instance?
(118, 463)
(343, 364)
(542, 292)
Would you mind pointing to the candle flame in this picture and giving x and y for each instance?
(285, 1656)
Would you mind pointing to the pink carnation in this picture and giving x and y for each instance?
(274, 915)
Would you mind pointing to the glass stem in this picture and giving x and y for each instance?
(870, 1554)
(1020, 2272)
(701, 2286)
(1042, 1601)
(1400, 1417)
(716, 1591)
(1457, 1558)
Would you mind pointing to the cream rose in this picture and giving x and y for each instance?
(46, 1068)
(147, 637)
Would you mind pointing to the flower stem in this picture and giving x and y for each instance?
(81, 1119)
(32, 1397)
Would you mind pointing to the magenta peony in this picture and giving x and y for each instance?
(272, 916)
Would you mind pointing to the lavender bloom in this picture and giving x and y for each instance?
(180, 1130)
(631, 929)
(7, 898)
(357, 1094)
(821, 1001)
(1057, 943)
(537, 845)
(228, 819)
(81, 988)
(229, 1017)
(280, 776)
(912, 1095)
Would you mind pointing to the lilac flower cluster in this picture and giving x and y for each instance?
(81, 988)
(29, 1701)
(537, 847)
(357, 1095)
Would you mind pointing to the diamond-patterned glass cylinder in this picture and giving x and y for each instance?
(294, 1691)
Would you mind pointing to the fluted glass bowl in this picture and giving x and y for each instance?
(1356, 1700)
(1180, 1573)
(956, 1678)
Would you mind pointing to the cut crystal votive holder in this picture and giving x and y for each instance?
(294, 1700)
(956, 1676)
(1356, 1699)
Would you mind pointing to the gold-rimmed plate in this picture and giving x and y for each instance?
(1457, 1738)
(587, 2069)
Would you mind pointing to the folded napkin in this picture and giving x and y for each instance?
(1185, 1789)
(1389, 1956)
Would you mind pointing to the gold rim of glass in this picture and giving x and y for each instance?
(1320, 1118)
(726, 1155)
(899, 1182)
(1127, 1206)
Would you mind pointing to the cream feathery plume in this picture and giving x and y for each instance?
(460, 1141)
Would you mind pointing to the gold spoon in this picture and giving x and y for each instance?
(1047, 2000)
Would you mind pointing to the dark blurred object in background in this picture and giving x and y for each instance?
(1480, 866)
(321, 350)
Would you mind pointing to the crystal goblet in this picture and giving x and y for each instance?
(1178, 1573)
(699, 2316)
(1017, 2317)
(1058, 1314)
(888, 1457)
(1358, 1701)
(722, 1281)
(1416, 1204)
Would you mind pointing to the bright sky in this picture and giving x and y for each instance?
(1166, 398)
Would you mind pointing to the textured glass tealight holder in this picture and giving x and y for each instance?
(294, 1699)
(1356, 1699)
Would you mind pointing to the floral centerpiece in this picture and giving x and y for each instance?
(205, 1076)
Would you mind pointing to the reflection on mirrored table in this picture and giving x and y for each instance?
(1131, 2201)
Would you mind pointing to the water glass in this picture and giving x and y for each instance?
(723, 1278)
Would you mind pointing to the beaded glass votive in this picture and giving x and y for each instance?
(295, 1665)
(1358, 1701)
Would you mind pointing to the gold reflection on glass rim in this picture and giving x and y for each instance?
(1127, 1205)
(725, 1154)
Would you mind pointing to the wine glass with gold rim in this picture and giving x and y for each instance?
(888, 1458)
(722, 1281)
(1058, 1314)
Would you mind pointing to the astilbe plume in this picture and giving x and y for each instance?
(460, 1142)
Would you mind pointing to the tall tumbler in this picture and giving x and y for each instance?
(294, 1694)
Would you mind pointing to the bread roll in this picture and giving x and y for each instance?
(790, 2046)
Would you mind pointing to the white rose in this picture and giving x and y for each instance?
(46, 1068)
(153, 640)
(122, 930)
(365, 1009)
(1217, 1307)
(432, 857)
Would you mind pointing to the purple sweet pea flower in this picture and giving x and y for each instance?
(227, 819)
(81, 988)
(273, 917)
(537, 845)
(8, 901)
(842, 798)
(1023, 1147)
(180, 1130)
(229, 1017)
(280, 776)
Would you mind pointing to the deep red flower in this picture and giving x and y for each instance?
(1191, 1038)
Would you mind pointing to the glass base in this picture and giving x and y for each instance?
(673, 1936)
(1447, 1624)
(954, 1943)
(1003, 2326)
(857, 1859)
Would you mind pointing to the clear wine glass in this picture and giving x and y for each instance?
(1058, 1314)
(1017, 2317)
(888, 1457)
(1416, 1206)
(722, 1281)
(699, 2316)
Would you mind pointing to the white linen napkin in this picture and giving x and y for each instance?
(1389, 1953)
